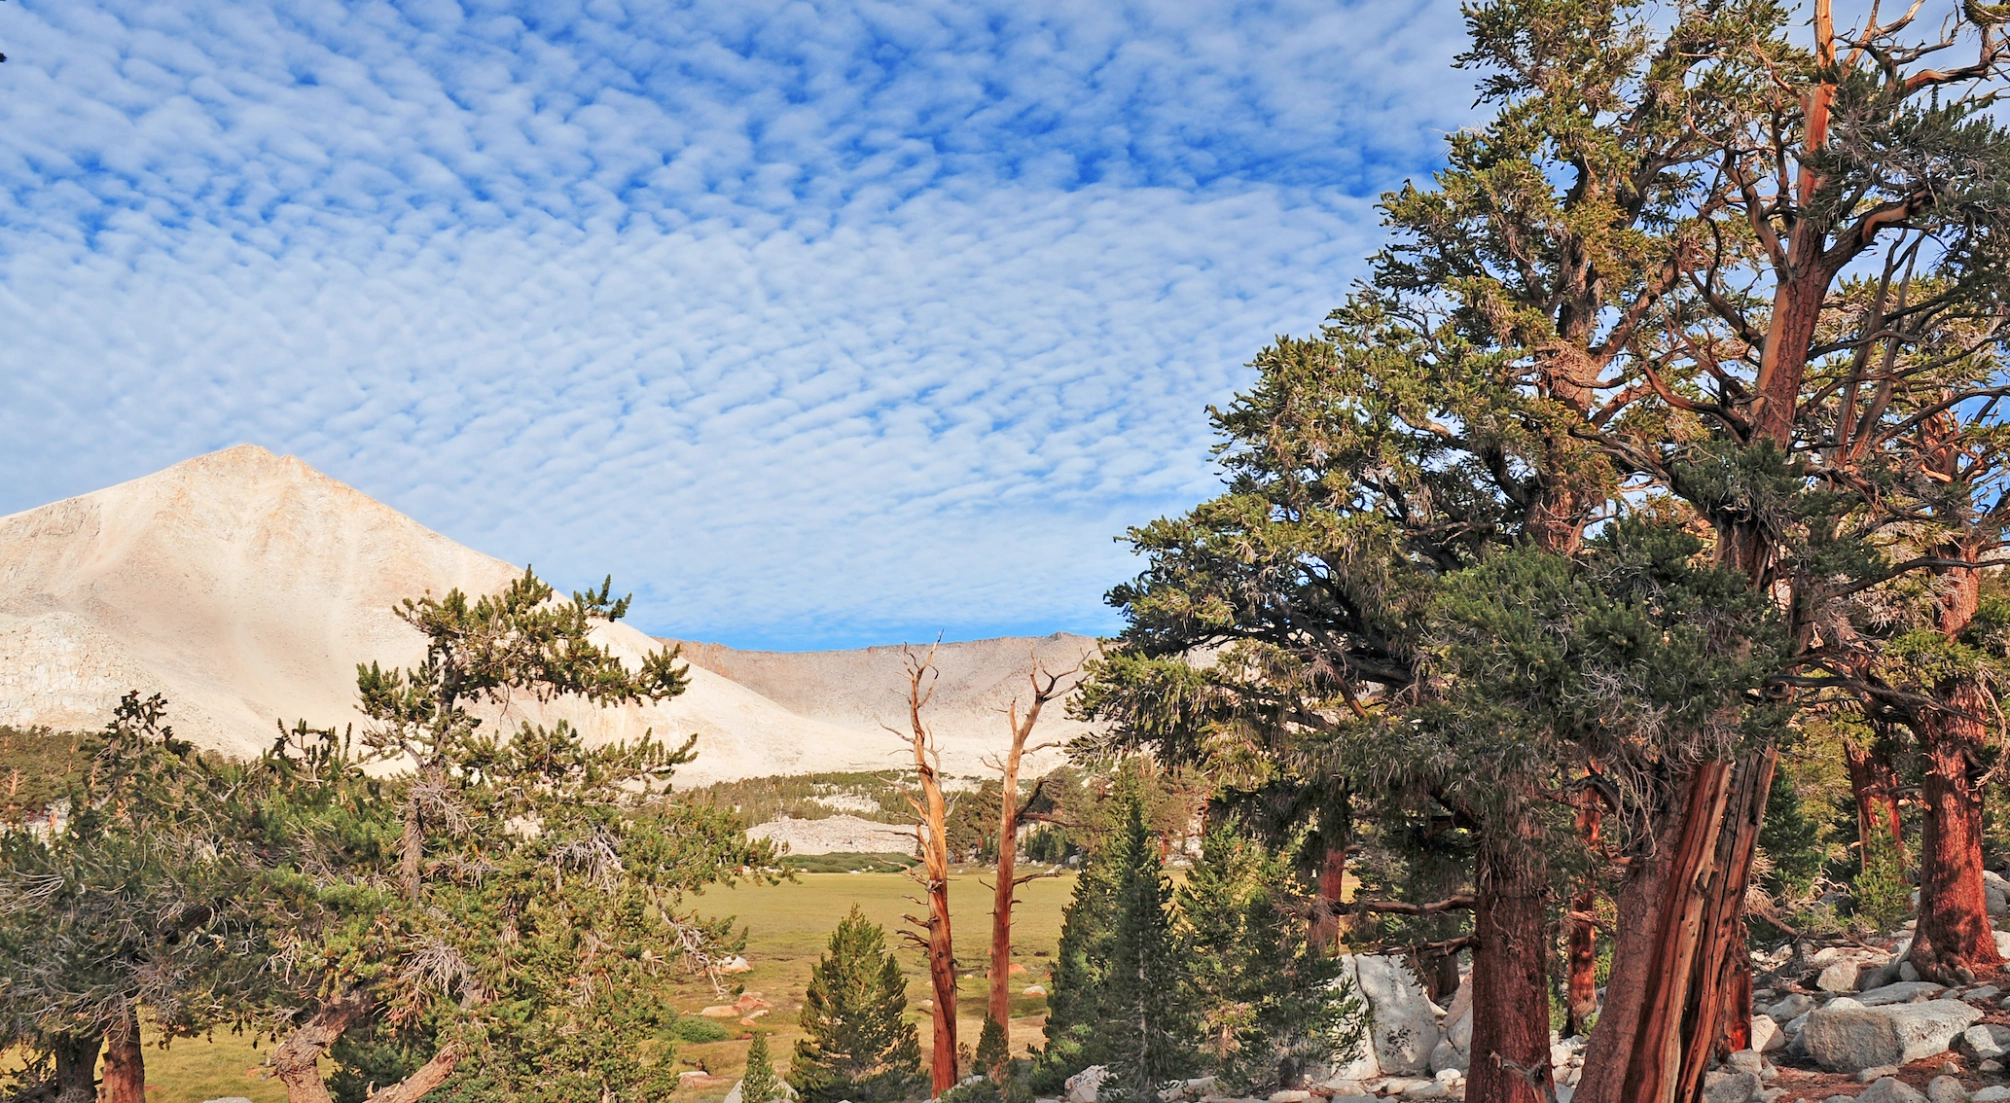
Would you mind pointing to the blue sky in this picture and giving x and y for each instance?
(816, 324)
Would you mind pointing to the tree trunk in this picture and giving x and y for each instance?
(1635, 1053)
(1874, 784)
(125, 1061)
(297, 1060)
(1954, 940)
(999, 1008)
(1714, 1010)
(77, 1068)
(1510, 1045)
(1332, 882)
(1581, 953)
(932, 813)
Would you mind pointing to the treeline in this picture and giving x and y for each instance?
(438, 908)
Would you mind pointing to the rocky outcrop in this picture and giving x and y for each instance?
(1847, 1036)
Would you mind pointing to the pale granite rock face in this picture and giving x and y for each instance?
(245, 587)
(1846, 1036)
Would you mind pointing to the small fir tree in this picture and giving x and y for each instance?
(857, 1044)
(994, 1052)
(1268, 1000)
(1146, 999)
(760, 1084)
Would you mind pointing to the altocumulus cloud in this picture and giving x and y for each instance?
(817, 323)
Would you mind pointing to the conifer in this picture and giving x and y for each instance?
(857, 1044)
(760, 1084)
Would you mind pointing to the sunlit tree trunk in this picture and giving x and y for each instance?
(125, 1062)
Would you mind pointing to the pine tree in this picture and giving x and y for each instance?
(1149, 1027)
(760, 1084)
(1266, 996)
(857, 1043)
(994, 1052)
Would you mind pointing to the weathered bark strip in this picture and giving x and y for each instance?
(932, 815)
(1723, 965)
(125, 1062)
(1635, 1054)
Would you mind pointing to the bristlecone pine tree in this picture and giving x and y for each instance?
(857, 1044)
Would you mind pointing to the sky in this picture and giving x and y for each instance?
(815, 324)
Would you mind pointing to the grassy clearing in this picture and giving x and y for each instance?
(787, 927)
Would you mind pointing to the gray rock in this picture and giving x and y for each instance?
(1996, 892)
(1985, 1041)
(1745, 1060)
(1994, 1093)
(1907, 971)
(1403, 1025)
(1446, 1057)
(1731, 1087)
(1877, 1073)
(1086, 1084)
(1904, 991)
(1846, 1035)
(1793, 1007)
(1945, 1089)
(1767, 1037)
(1839, 976)
(1890, 1090)
(1879, 977)
(1983, 994)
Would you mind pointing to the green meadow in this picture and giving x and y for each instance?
(787, 925)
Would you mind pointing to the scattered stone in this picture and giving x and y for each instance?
(1084, 1085)
(1983, 994)
(1995, 1093)
(1034, 990)
(1447, 1058)
(720, 1011)
(1995, 893)
(1348, 1089)
(1745, 1060)
(1890, 1090)
(734, 964)
(1982, 1043)
(1291, 1096)
(1839, 976)
(1907, 971)
(1846, 1035)
(1945, 1089)
(1905, 991)
(1731, 1087)
(1989, 1066)
(1877, 1073)
(1767, 1036)
(1792, 1007)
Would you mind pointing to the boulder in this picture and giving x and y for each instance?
(1839, 976)
(1448, 1058)
(1767, 1036)
(2003, 943)
(1731, 1087)
(1890, 1090)
(1847, 1036)
(1793, 1007)
(1084, 1085)
(1985, 1041)
(1996, 892)
(1995, 1093)
(1945, 1089)
(1904, 991)
(1402, 1023)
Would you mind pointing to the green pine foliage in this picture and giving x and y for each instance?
(1267, 1000)
(994, 1051)
(759, 1084)
(857, 1044)
(1121, 996)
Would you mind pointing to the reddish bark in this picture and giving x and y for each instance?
(1954, 940)
(1874, 784)
(1510, 1046)
(932, 814)
(125, 1079)
(1634, 1054)
(1719, 1001)
(1581, 953)
(999, 1007)
(1332, 896)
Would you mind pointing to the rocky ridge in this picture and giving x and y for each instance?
(245, 586)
